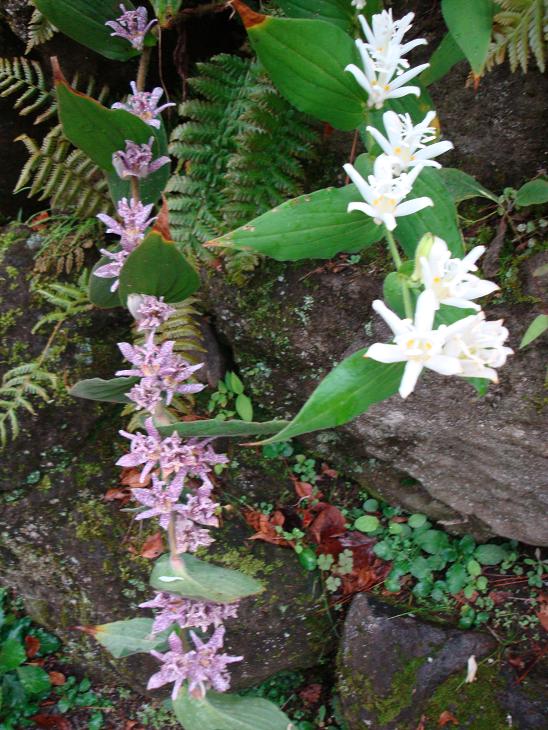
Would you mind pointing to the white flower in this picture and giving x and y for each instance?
(415, 343)
(383, 192)
(478, 345)
(451, 280)
(359, 4)
(382, 59)
(407, 143)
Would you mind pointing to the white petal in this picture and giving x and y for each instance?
(460, 303)
(397, 325)
(386, 353)
(360, 77)
(444, 365)
(407, 76)
(398, 93)
(381, 140)
(362, 185)
(366, 29)
(410, 376)
(412, 206)
(363, 208)
(389, 221)
(393, 126)
(433, 150)
(406, 47)
(470, 259)
(425, 310)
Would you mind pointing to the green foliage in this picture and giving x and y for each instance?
(62, 241)
(16, 389)
(223, 179)
(199, 580)
(230, 395)
(533, 192)
(218, 427)
(470, 22)
(537, 328)
(520, 28)
(55, 171)
(39, 30)
(111, 391)
(125, 638)
(69, 300)
(183, 328)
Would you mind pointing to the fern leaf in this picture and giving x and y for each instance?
(39, 30)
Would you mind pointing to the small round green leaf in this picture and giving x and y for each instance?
(490, 554)
(367, 523)
(432, 541)
(244, 407)
(416, 520)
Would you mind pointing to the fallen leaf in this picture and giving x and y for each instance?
(311, 695)
(57, 678)
(422, 723)
(499, 597)
(329, 523)
(447, 717)
(116, 493)
(32, 645)
(131, 725)
(331, 473)
(52, 722)
(304, 490)
(131, 477)
(153, 546)
(265, 527)
(471, 670)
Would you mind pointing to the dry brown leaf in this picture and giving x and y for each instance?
(153, 546)
(52, 722)
(57, 678)
(447, 717)
(329, 523)
(311, 695)
(131, 477)
(32, 646)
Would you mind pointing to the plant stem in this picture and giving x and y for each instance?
(135, 192)
(396, 258)
(143, 68)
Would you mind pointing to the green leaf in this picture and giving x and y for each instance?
(431, 541)
(338, 12)
(166, 11)
(228, 712)
(416, 520)
(12, 654)
(313, 226)
(456, 578)
(244, 407)
(490, 554)
(537, 328)
(474, 568)
(446, 55)
(84, 22)
(99, 288)
(462, 186)
(235, 383)
(98, 131)
(346, 392)
(111, 391)
(124, 638)
(534, 192)
(367, 523)
(420, 568)
(306, 60)
(196, 579)
(35, 680)
(216, 427)
(441, 219)
(470, 22)
(156, 267)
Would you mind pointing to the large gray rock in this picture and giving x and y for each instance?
(478, 464)
(395, 670)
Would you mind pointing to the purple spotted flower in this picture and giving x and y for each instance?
(145, 449)
(132, 25)
(189, 537)
(144, 104)
(160, 366)
(149, 312)
(135, 220)
(203, 667)
(136, 160)
(146, 395)
(200, 508)
(188, 614)
(162, 499)
(112, 270)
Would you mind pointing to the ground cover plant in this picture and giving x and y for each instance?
(345, 65)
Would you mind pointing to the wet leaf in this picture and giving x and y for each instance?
(447, 717)
(153, 546)
(329, 523)
(32, 646)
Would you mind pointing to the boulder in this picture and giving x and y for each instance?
(395, 670)
(476, 464)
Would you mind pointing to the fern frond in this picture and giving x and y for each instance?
(225, 178)
(39, 30)
(25, 78)
(519, 29)
(17, 383)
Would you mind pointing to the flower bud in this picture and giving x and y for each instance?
(422, 252)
